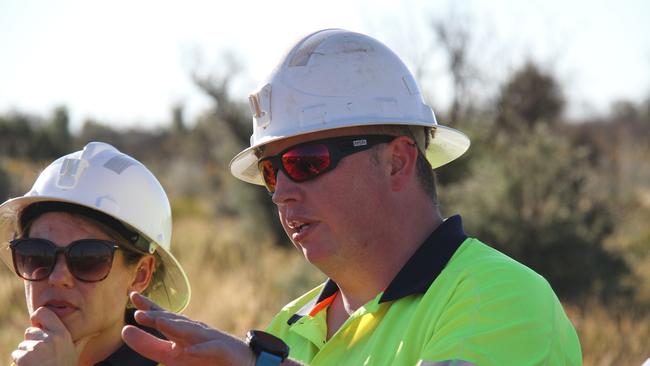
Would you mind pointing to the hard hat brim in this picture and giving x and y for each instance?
(171, 291)
(447, 145)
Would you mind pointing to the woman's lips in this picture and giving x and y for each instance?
(61, 308)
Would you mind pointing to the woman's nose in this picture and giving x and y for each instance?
(61, 275)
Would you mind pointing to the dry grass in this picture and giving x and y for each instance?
(239, 281)
(13, 316)
(611, 337)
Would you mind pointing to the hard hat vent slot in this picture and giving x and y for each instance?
(71, 170)
(118, 164)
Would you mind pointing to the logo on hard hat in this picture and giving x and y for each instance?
(356, 143)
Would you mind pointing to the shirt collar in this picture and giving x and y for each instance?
(428, 261)
(419, 272)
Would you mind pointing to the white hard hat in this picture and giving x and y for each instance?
(336, 78)
(103, 179)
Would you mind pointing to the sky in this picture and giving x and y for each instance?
(128, 63)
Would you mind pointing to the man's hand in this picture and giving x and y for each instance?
(48, 342)
(188, 342)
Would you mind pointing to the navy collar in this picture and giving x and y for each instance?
(419, 272)
(428, 261)
(125, 355)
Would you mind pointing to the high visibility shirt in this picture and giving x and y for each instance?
(456, 301)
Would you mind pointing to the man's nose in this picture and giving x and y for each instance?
(286, 190)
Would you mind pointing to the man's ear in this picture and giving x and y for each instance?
(403, 157)
(143, 274)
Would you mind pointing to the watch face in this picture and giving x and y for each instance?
(260, 341)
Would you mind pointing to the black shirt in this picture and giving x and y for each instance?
(125, 355)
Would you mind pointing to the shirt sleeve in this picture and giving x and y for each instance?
(503, 317)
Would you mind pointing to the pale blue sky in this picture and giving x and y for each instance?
(128, 62)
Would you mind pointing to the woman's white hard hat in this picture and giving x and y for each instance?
(103, 179)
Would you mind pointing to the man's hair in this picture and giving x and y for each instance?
(425, 174)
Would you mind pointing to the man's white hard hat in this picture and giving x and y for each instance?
(335, 78)
(103, 179)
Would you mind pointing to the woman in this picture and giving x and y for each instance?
(95, 226)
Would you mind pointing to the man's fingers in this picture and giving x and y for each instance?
(185, 331)
(148, 345)
(180, 332)
(46, 319)
(148, 318)
(174, 326)
(142, 302)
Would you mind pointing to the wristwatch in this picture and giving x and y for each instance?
(269, 349)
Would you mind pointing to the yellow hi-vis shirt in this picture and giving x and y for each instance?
(456, 301)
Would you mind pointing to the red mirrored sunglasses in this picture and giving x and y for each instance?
(310, 159)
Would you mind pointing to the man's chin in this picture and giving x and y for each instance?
(316, 257)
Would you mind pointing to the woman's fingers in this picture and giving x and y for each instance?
(35, 334)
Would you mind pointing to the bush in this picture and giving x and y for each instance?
(536, 198)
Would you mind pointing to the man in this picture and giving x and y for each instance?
(345, 144)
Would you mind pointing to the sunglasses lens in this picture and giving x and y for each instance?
(306, 162)
(268, 173)
(90, 260)
(34, 259)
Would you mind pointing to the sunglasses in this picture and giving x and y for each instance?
(89, 260)
(309, 160)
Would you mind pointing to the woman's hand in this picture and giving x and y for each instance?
(48, 342)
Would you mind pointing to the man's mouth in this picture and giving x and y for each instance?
(298, 226)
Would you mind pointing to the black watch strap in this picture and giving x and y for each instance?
(268, 349)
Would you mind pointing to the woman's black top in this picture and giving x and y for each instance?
(125, 355)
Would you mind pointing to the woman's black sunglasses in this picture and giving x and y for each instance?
(89, 260)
